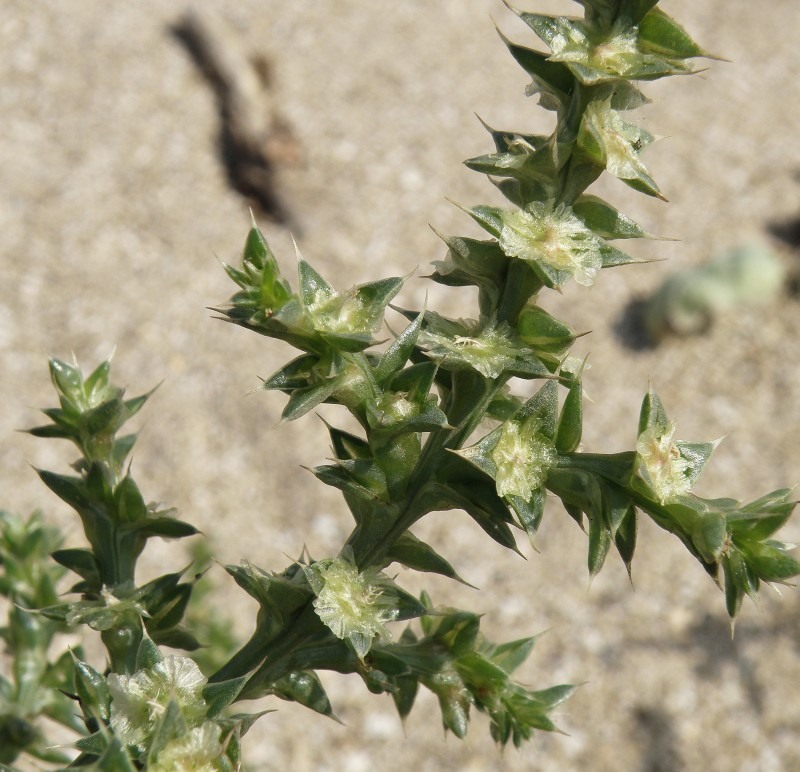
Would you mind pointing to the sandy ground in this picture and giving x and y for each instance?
(114, 202)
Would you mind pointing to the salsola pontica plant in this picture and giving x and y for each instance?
(423, 404)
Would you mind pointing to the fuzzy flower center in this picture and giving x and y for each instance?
(490, 351)
(556, 239)
(522, 460)
(663, 463)
(349, 603)
(139, 701)
(199, 750)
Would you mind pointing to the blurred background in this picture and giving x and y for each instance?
(120, 187)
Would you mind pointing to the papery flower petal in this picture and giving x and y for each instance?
(661, 463)
(555, 239)
(349, 603)
(199, 750)
(138, 701)
(616, 55)
(490, 350)
(621, 141)
(522, 459)
(105, 613)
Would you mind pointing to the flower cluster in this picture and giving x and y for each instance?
(140, 701)
(350, 603)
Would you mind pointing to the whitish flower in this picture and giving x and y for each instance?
(522, 458)
(555, 239)
(105, 613)
(199, 750)
(343, 312)
(617, 55)
(395, 407)
(139, 701)
(620, 141)
(661, 464)
(490, 350)
(350, 603)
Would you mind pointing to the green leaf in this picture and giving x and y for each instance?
(529, 513)
(52, 432)
(313, 288)
(135, 404)
(554, 696)
(416, 554)
(509, 656)
(364, 479)
(488, 217)
(122, 447)
(305, 688)
(174, 638)
(399, 352)
(165, 527)
(544, 333)
(148, 655)
(507, 141)
(96, 744)
(82, 562)
(405, 604)
(659, 34)
(92, 691)
(697, 454)
(106, 417)
(67, 379)
(578, 490)
(220, 695)
(653, 414)
(761, 518)
(769, 560)
(599, 543)
(348, 446)
(635, 10)
(131, 507)
(472, 262)
(546, 27)
(552, 80)
(306, 399)
(483, 505)
(570, 422)
(418, 379)
(299, 373)
(404, 694)
(168, 611)
(260, 264)
(70, 490)
(606, 221)
(97, 381)
(543, 408)
(734, 567)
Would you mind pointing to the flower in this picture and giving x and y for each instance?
(661, 464)
(395, 407)
(350, 603)
(490, 349)
(199, 750)
(616, 56)
(139, 701)
(553, 239)
(619, 142)
(344, 312)
(605, 53)
(105, 613)
(522, 458)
